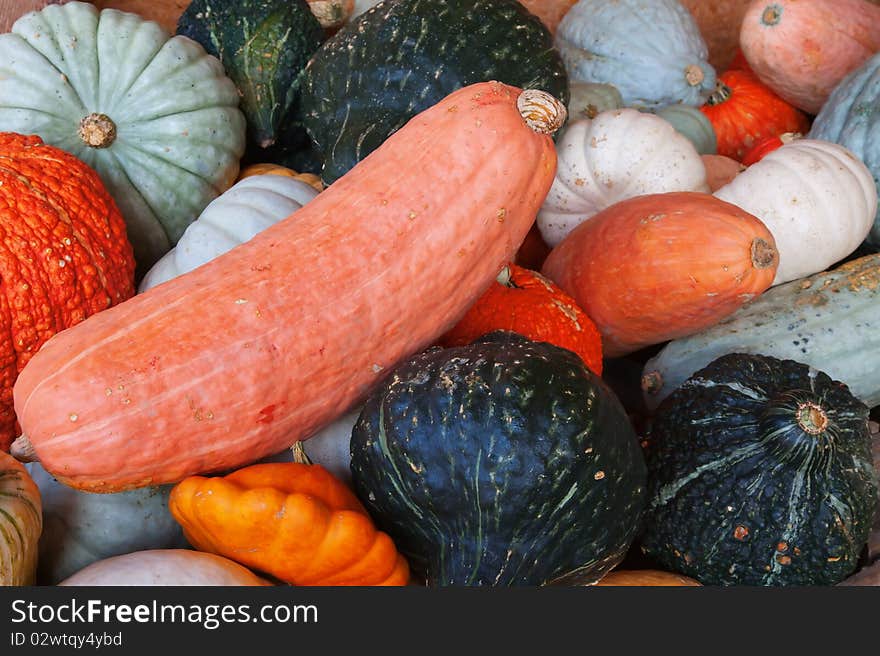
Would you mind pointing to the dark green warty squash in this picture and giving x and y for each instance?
(503, 462)
(404, 56)
(759, 473)
(264, 46)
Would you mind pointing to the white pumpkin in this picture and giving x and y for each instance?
(165, 567)
(619, 154)
(80, 528)
(817, 199)
(234, 217)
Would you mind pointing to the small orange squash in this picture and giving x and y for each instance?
(64, 255)
(646, 577)
(525, 302)
(292, 520)
(657, 267)
(276, 169)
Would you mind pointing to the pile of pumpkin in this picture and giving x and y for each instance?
(439, 292)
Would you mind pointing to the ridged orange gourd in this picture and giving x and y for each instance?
(291, 520)
(269, 342)
(660, 266)
(802, 48)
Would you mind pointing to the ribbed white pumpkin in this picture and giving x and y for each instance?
(617, 155)
(817, 199)
(165, 567)
(80, 528)
(21, 522)
(236, 216)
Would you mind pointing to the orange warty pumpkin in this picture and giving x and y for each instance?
(65, 254)
(291, 520)
(527, 303)
(743, 110)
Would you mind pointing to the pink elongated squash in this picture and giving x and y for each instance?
(802, 48)
(270, 341)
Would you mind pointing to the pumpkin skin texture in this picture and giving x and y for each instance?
(647, 577)
(816, 197)
(743, 111)
(760, 473)
(387, 65)
(294, 521)
(298, 363)
(234, 217)
(244, 35)
(660, 266)
(80, 528)
(165, 567)
(21, 522)
(851, 118)
(826, 320)
(174, 135)
(618, 155)
(803, 48)
(664, 65)
(65, 255)
(504, 462)
(525, 302)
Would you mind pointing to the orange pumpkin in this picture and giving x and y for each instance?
(743, 110)
(525, 302)
(65, 254)
(276, 169)
(291, 520)
(661, 266)
(767, 145)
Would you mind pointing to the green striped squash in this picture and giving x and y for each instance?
(759, 473)
(21, 522)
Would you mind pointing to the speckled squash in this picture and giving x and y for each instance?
(504, 462)
(154, 115)
(651, 50)
(851, 117)
(759, 473)
(21, 522)
(618, 155)
(827, 320)
(397, 60)
(817, 199)
(802, 49)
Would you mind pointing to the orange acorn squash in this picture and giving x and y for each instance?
(272, 340)
(291, 520)
(64, 257)
(660, 266)
(525, 302)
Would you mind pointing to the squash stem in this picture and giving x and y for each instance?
(811, 418)
(721, 94)
(763, 254)
(23, 451)
(772, 15)
(652, 382)
(541, 111)
(694, 75)
(97, 130)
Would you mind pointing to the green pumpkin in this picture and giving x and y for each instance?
(693, 124)
(154, 115)
(263, 45)
(404, 56)
(504, 462)
(588, 99)
(759, 473)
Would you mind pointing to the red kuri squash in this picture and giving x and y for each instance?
(272, 340)
(661, 266)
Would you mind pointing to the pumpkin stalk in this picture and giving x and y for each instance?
(772, 15)
(763, 254)
(97, 130)
(721, 94)
(299, 454)
(504, 277)
(652, 382)
(331, 13)
(694, 75)
(541, 111)
(811, 418)
(23, 451)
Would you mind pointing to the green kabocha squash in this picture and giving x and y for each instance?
(154, 115)
(759, 473)
(827, 320)
(851, 117)
(404, 56)
(264, 46)
(503, 462)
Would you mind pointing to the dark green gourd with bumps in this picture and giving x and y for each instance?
(403, 56)
(759, 473)
(503, 462)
